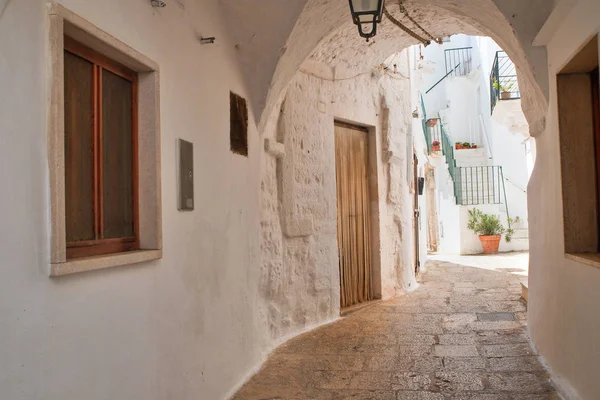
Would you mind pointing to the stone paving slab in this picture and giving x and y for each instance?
(460, 336)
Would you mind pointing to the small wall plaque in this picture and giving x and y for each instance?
(186, 175)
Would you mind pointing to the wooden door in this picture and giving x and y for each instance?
(416, 212)
(353, 215)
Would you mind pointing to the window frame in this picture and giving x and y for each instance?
(64, 22)
(595, 88)
(100, 246)
(578, 141)
(238, 145)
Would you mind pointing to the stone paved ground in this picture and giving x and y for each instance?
(461, 335)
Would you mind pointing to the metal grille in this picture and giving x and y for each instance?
(458, 61)
(503, 80)
(479, 185)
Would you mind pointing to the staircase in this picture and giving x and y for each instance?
(470, 157)
(475, 182)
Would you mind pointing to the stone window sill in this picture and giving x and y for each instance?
(591, 259)
(104, 261)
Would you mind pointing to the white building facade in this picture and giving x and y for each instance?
(481, 146)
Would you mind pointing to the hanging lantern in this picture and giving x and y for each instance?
(366, 14)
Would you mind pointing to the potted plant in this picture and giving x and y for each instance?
(466, 145)
(503, 90)
(435, 145)
(458, 145)
(505, 93)
(489, 229)
(433, 122)
(473, 146)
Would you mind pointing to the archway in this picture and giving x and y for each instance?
(325, 46)
(327, 22)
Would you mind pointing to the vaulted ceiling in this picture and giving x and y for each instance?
(274, 37)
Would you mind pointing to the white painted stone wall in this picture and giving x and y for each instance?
(184, 327)
(463, 94)
(469, 241)
(509, 131)
(564, 321)
(300, 270)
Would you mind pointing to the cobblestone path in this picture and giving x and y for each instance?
(460, 335)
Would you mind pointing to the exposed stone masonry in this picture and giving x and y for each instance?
(299, 250)
(461, 335)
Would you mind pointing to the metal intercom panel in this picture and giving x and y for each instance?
(186, 175)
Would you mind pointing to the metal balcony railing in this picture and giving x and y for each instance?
(459, 61)
(503, 80)
(433, 134)
(480, 185)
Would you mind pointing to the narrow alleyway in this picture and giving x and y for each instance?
(461, 335)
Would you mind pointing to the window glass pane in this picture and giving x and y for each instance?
(117, 156)
(79, 156)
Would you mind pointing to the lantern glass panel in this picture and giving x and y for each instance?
(365, 6)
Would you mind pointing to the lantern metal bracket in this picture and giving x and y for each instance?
(207, 40)
(374, 17)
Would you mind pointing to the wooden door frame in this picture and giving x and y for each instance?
(595, 87)
(416, 230)
(372, 179)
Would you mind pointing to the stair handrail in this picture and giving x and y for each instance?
(505, 200)
(444, 77)
(448, 151)
(515, 185)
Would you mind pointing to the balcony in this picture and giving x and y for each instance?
(503, 80)
(459, 61)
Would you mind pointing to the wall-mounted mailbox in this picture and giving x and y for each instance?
(186, 175)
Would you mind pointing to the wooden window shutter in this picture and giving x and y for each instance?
(238, 131)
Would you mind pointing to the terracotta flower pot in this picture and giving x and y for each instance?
(490, 244)
(458, 146)
(505, 95)
(435, 147)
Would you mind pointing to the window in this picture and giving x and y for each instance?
(579, 138)
(238, 128)
(100, 147)
(103, 104)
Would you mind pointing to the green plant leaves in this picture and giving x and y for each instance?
(485, 224)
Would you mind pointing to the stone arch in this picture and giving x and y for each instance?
(325, 40)
(325, 24)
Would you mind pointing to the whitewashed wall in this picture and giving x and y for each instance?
(564, 321)
(300, 275)
(509, 130)
(170, 329)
